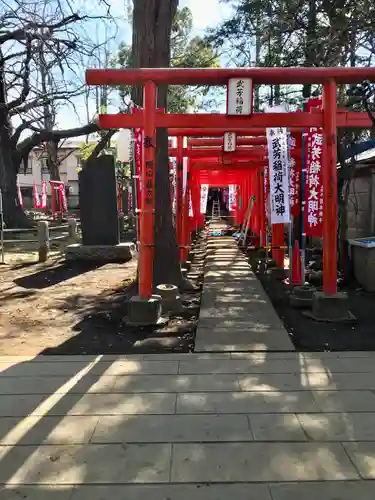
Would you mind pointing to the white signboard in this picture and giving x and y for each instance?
(231, 197)
(204, 198)
(124, 149)
(240, 96)
(277, 141)
(229, 142)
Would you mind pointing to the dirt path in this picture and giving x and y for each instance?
(43, 306)
(71, 308)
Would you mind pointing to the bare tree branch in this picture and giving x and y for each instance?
(25, 78)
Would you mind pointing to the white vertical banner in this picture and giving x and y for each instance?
(124, 148)
(191, 213)
(174, 174)
(239, 96)
(229, 142)
(232, 197)
(184, 175)
(204, 198)
(278, 159)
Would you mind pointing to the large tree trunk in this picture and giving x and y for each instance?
(152, 22)
(53, 163)
(14, 215)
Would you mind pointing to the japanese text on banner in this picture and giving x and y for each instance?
(138, 147)
(314, 184)
(295, 144)
(266, 191)
(277, 141)
(232, 197)
(149, 174)
(191, 212)
(204, 198)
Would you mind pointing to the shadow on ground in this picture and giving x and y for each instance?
(53, 276)
(102, 328)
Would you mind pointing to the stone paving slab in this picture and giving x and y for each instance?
(243, 366)
(237, 462)
(71, 464)
(276, 427)
(327, 490)
(115, 404)
(45, 492)
(50, 385)
(177, 383)
(299, 357)
(47, 430)
(122, 367)
(172, 429)
(173, 492)
(19, 405)
(362, 454)
(345, 401)
(247, 402)
(338, 426)
(228, 340)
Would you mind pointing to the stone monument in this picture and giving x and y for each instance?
(99, 215)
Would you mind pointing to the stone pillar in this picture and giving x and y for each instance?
(121, 226)
(72, 223)
(43, 240)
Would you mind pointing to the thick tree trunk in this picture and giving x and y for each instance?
(14, 216)
(53, 165)
(13, 213)
(152, 21)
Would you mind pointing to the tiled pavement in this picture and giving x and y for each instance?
(252, 426)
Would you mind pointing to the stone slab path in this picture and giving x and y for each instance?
(251, 426)
(236, 314)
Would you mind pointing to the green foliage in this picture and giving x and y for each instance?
(123, 173)
(186, 52)
(297, 33)
(85, 150)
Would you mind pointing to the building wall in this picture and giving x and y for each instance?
(35, 175)
(361, 204)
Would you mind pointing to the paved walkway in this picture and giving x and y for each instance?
(250, 426)
(236, 314)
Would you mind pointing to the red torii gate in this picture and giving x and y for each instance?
(329, 119)
(203, 162)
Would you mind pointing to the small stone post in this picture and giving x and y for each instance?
(43, 240)
(73, 235)
(121, 226)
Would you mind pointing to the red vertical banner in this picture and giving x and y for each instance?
(266, 192)
(138, 143)
(314, 183)
(44, 195)
(36, 197)
(313, 188)
(295, 173)
(20, 199)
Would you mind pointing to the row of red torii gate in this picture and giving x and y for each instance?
(285, 161)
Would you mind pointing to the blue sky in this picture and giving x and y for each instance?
(206, 13)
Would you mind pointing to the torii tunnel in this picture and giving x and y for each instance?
(207, 159)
